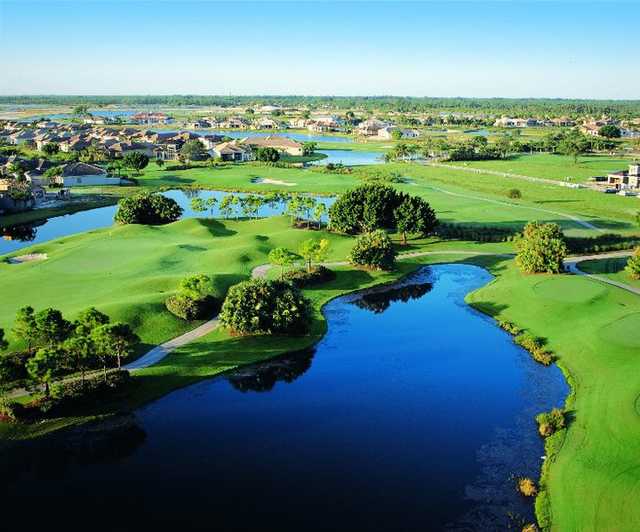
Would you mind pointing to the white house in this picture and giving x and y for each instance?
(387, 133)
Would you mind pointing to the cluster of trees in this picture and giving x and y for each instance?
(298, 206)
(267, 155)
(518, 107)
(376, 206)
(311, 251)
(54, 347)
(148, 209)
(195, 298)
(261, 306)
(541, 248)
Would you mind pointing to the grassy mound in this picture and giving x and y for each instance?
(568, 289)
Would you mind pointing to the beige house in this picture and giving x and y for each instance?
(626, 179)
(232, 151)
(84, 174)
(370, 127)
(282, 144)
(386, 133)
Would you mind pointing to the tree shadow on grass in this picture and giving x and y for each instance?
(216, 228)
(490, 308)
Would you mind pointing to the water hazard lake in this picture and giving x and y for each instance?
(414, 413)
(24, 235)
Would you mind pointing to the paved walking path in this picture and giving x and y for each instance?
(572, 265)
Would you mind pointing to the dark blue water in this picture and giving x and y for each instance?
(414, 413)
(19, 237)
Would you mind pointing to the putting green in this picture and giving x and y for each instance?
(569, 289)
(624, 331)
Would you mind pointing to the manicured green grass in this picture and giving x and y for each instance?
(557, 167)
(592, 476)
(129, 271)
(610, 268)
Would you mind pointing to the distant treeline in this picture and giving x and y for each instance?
(516, 107)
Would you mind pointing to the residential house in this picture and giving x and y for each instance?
(370, 127)
(266, 123)
(625, 179)
(79, 174)
(209, 141)
(120, 149)
(387, 133)
(234, 123)
(282, 144)
(506, 121)
(75, 144)
(232, 151)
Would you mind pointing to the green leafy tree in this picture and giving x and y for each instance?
(541, 248)
(51, 328)
(44, 365)
(198, 205)
(309, 148)
(610, 131)
(514, 193)
(261, 306)
(50, 148)
(79, 353)
(136, 161)
(227, 205)
(633, 264)
(196, 286)
(24, 326)
(115, 340)
(414, 215)
(267, 155)
(211, 203)
(149, 209)
(193, 150)
(314, 251)
(364, 208)
(281, 257)
(319, 211)
(573, 144)
(374, 250)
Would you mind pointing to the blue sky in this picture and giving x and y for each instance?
(512, 49)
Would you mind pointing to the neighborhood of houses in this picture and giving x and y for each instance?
(112, 141)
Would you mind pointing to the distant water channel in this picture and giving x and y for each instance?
(414, 413)
(18, 237)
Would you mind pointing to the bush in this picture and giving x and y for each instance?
(541, 248)
(267, 155)
(550, 422)
(374, 250)
(12, 411)
(633, 264)
(514, 193)
(189, 308)
(510, 327)
(260, 306)
(535, 346)
(302, 278)
(527, 487)
(149, 209)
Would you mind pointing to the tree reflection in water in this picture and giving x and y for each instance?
(378, 302)
(20, 233)
(263, 377)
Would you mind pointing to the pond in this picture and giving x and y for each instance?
(413, 413)
(351, 157)
(21, 236)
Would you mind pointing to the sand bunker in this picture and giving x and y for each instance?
(263, 181)
(27, 258)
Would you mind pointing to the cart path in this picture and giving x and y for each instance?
(572, 265)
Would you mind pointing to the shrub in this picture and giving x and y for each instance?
(189, 308)
(633, 264)
(374, 250)
(510, 327)
(150, 209)
(550, 422)
(261, 306)
(535, 346)
(12, 411)
(514, 193)
(530, 527)
(527, 487)
(541, 248)
(267, 154)
(317, 275)
(195, 298)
